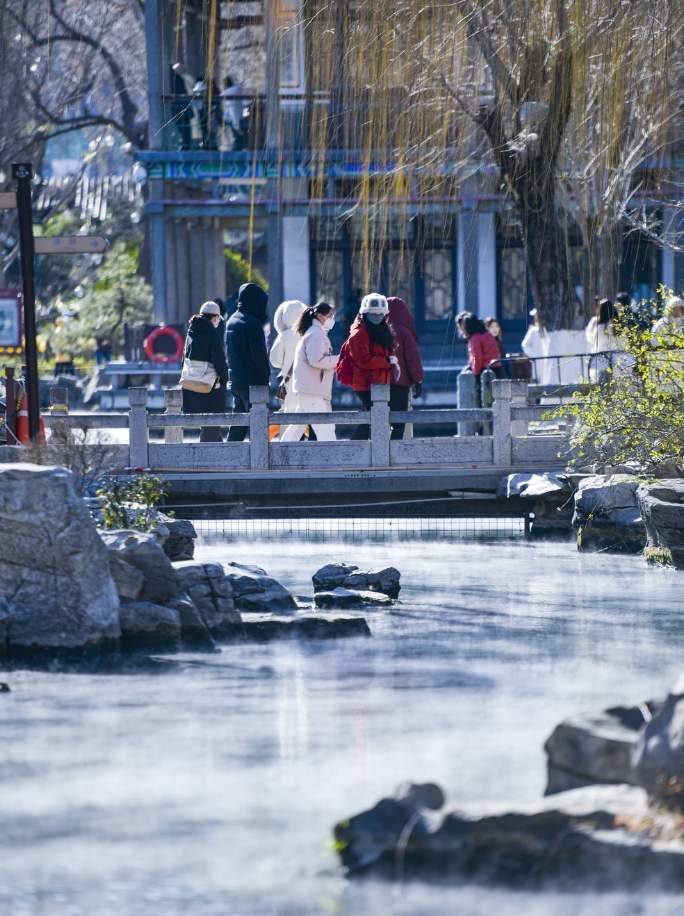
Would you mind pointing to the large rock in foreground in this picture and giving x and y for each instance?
(587, 750)
(662, 509)
(148, 627)
(607, 514)
(345, 575)
(600, 837)
(257, 592)
(658, 758)
(53, 565)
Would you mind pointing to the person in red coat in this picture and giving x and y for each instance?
(372, 346)
(410, 363)
(483, 350)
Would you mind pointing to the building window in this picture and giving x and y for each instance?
(439, 284)
(513, 283)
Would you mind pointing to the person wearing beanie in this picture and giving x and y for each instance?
(282, 353)
(246, 348)
(372, 345)
(204, 343)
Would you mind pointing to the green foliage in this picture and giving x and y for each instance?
(635, 415)
(658, 556)
(132, 504)
(238, 272)
(117, 294)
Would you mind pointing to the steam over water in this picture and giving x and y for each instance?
(211, 790)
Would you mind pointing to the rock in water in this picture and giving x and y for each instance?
(53, 563)
(600, 836)
(254, 590)
(128, 579)
(607, 514)
(662, 509)
(658, 758)
(587, 750)
(343, 575)
(212, 594)
(195, 634)
(142, 550)
(147, 627)
(341, 598)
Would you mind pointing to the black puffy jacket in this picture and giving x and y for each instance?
(205, 342)
(246, 346)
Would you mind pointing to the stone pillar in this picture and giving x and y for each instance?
(258, 429)
(137, 428)
(380, 426)
(173, 399)
(467, 261)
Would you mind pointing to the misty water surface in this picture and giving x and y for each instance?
(212, 789)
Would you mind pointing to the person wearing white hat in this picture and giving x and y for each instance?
(284, 347)
(204, 345)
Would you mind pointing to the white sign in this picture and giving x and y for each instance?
(8, 200)
(10, 324)
(70, 244)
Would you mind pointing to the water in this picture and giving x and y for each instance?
(211, 790)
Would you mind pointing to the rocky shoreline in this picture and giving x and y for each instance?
(71, 590)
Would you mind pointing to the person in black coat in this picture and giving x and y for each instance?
(204, 341)
(247, 354)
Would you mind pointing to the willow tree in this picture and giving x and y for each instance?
(441, 89)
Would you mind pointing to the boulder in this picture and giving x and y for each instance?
(535, 486)
(601, 837)
(267, 627)
(212, 594)
(607, 514)
(662, 509)
(129, 581)
(255, 591)
(586, 750)
(194, 632)
(149, 627)
(53, 563)
(342, 575)
(180, 540)
(142, 550)
(658, 758)
(342, 598)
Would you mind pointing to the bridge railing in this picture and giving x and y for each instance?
(503, 440)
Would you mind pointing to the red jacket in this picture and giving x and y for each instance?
(483, 352)
(370, 360)
(408, 353)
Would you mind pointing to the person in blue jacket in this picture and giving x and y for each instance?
(246, 348)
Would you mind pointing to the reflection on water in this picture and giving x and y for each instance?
(212, 789)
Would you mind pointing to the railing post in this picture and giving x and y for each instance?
(380, 426)
(11, 406)
(258, 429)
(502, 442)
(466, 396)
(408, 429)
(519, 399)
(486, 398)
(137, 428)
(59, 400)
(173, 400)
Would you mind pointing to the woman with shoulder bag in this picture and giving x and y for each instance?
(313, 371)
(205, 370)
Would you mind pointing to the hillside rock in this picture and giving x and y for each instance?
(142, 550)
(53, 566)
(212, 594)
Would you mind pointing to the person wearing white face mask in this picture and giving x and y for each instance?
(313, 371)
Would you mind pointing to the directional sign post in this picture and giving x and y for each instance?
(22, 172)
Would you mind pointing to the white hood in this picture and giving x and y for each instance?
(288, 314)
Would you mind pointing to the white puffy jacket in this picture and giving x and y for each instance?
(314, 365)
(282, 353)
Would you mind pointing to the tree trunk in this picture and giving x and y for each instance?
(546, 256)
(604, 257)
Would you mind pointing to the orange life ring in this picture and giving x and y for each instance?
(164, 331)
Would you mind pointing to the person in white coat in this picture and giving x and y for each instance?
(603, 342)
(313, 372)
(282, 353)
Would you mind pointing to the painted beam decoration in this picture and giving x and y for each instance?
(10, 321)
